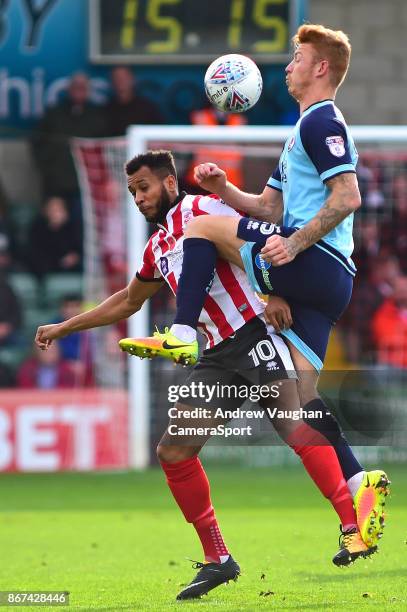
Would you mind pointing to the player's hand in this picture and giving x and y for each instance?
(278, 250)
(47, 333)
(278, 313)
(210, 177)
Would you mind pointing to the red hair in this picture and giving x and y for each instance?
(332, 45)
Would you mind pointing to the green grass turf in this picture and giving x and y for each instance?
(118, 542)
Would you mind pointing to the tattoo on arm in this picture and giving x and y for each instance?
(343, 200)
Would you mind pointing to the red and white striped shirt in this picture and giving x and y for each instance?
(231, 301)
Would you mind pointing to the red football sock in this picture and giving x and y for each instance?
(321, 463)
(190, 488)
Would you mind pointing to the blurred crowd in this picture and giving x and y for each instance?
(374, 327)
(50, 246)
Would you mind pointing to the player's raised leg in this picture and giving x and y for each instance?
(320, 460)
(200, 254)
(368, 489)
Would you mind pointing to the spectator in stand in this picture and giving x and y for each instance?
(389, 327)
(10, 314)
(126, 107)
(76, 348)
(7, 378)
(367, 247)
(46, 370)
(75, 116)
(228, 157)
(374, 200)
(365, 177)
(394, 232)
(54, 242)
(7, 241)
(368, 294)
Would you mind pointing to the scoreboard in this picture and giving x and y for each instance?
(191, 31)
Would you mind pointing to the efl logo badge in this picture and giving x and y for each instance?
(164, 265)
(336, 145)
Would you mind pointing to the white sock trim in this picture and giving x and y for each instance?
(183, 332)
(354, 483)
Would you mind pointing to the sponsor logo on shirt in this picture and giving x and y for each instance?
(283, 172)
(173, 257)
(336, 145)
(261, 263)
(269, 228)
(253, 225)
(264, 266)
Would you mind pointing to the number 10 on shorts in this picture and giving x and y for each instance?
(263, 351)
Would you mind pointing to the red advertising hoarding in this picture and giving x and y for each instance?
(49, 431)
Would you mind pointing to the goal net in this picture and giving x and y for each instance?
(116, 233)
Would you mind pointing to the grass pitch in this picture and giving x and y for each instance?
(118, 542)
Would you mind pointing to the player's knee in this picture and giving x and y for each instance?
(307, 387)
(172, 454)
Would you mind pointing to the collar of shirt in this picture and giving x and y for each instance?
(177, 200)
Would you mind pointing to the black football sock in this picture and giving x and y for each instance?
(329, 426)
(195, 281)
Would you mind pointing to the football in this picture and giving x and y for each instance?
(233, 83)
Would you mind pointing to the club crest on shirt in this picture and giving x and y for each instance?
(336, 145)
(187, 215)
(291, 144)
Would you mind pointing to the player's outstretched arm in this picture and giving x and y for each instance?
(267, 206)
(118, 306)
(343, 200)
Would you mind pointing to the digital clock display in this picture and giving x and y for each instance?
(191, 31)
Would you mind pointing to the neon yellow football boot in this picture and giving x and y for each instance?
(162, 345)
(351, 547)
(369, 504)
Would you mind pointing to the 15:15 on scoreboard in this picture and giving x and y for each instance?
(191, 31)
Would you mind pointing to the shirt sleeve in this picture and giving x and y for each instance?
(213, 205)
(275, 180)
(326, 142)
(148, 271)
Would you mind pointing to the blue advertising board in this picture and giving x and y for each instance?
(42, 42)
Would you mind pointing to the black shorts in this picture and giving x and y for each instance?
(251, 357)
